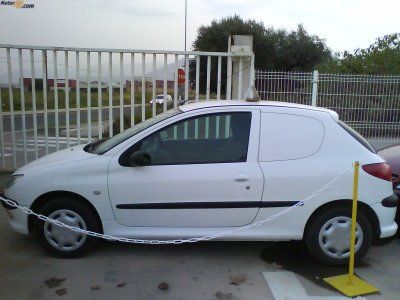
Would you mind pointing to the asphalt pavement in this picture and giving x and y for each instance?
(208, 270)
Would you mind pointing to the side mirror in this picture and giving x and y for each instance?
(140, 159)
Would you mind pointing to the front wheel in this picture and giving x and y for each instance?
(62, 241)
(328, 236)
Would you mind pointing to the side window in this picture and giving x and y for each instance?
(211, 138)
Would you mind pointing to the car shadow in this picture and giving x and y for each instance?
(292, 255)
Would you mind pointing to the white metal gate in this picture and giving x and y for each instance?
(56, 97)
(368, 103)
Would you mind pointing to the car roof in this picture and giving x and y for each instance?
(262, 103)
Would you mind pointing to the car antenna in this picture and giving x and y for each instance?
(184, 101)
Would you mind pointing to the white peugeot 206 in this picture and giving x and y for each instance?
(208, 168)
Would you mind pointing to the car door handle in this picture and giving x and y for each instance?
(242, 178)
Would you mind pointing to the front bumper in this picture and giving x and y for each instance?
(18, 220)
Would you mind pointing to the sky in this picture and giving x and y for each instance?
(159, 24)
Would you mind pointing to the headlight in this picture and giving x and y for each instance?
(10, 182)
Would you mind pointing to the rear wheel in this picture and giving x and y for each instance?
(62, 241)
(328, 236)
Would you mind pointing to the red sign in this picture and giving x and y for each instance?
(181, 76)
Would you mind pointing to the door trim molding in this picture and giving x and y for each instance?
(208, 205)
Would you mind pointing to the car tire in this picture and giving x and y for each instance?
(63, 242)
(327, 236)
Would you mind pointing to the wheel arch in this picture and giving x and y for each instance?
(45, 198)
(362, 206)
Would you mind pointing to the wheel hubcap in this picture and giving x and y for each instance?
(334, 237)
(63, 238)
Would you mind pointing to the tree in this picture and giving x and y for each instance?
(382, 57)
(275, 49)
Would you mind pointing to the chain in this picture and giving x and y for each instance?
(177, 241)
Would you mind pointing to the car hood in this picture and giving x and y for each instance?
(58, 158)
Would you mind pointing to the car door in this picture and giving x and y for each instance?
(203, 173)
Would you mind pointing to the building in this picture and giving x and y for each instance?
(61, 83)
(149, 84)
(95, 85)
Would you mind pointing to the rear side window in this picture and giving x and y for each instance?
(357, 136)
(287, 137)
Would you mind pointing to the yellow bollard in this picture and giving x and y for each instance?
(349, 284)
(353, 222)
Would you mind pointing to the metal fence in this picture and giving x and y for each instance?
(370, 104)
(54, 97)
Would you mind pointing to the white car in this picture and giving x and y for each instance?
(207, 168)
(160, 99)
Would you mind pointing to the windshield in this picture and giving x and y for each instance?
(102, 147)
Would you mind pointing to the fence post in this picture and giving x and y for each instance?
(242, 66)
(314, 88)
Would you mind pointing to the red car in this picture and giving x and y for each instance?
(392, 156)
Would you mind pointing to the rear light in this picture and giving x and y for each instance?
(380, 170)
